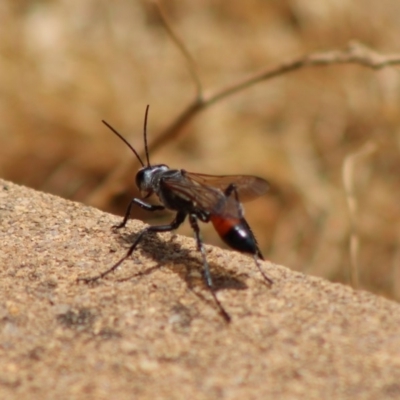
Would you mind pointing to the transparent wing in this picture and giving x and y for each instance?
(207, 192)
(204, 197)
(248, 187)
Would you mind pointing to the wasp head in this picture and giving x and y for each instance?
(148, 178)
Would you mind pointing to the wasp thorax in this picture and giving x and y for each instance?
(147, 178)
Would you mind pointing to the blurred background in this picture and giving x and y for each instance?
(65, 65)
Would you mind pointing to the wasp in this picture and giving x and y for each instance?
(198, 197)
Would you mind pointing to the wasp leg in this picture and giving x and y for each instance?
(180, 217)
(265, 276)
(257, 255)
(141, 204)
(232, 189)
(207, 274)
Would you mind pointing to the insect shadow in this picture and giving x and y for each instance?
(170, 253)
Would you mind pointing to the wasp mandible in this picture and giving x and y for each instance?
(200, 197)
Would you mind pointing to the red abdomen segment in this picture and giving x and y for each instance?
(236, 233)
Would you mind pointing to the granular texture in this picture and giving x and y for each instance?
(151, 330)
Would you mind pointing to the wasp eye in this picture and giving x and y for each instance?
(140, 178)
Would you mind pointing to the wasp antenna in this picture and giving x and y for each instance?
(124, 140)
(145, 135)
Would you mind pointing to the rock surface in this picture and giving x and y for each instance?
(151, 330)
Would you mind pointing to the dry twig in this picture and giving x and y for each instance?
(354, 53)
(352, 204)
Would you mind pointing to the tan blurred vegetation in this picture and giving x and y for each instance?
(65, 65)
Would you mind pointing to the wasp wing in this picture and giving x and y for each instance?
(204, 197)
(248, 187)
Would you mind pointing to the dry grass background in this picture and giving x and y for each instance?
(65, 65)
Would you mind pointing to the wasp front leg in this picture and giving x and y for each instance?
(141, 204)
(180, 217)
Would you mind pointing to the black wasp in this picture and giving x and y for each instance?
(200, 197)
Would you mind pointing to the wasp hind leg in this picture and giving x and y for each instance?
(248, 240)
(207, 274)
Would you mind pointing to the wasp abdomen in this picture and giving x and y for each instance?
(235, 232)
